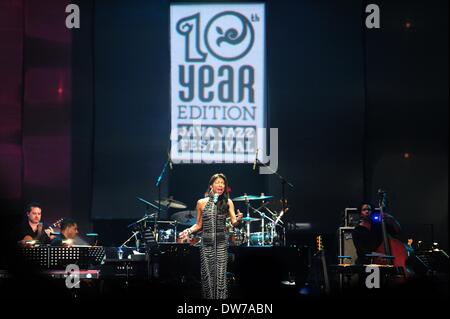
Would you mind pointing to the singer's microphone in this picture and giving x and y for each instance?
(256, 159)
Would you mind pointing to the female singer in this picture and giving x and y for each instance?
(212, 212)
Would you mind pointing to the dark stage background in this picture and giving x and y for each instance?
(85, 114)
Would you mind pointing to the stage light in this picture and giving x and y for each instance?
(375, 217)
(408, 25)
(305, 290)
(435, 246)
(60, 90)
(288, 282)
(406, 155)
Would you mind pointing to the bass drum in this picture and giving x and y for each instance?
(256, 239)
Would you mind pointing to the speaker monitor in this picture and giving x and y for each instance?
(346, 245)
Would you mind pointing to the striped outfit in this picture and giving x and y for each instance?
(213, 252)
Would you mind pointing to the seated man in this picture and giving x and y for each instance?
(32, 228)
(69, 230)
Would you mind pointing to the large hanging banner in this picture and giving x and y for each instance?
(217, 82)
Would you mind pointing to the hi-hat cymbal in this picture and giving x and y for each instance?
(186, 217)
(251, 197)
(172, 203)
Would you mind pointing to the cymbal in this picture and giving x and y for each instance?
(172, 203)
(140, 221)
(162, 221)
(251, 197)
(91, 235)
(149, 205)
(250, 219)
(186, 217)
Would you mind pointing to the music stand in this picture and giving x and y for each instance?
(83, 256)
(59, 257)
(38, 255)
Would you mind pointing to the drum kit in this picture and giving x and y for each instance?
(268, 223)
(265, 229)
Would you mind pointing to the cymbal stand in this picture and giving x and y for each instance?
(263, 216)
(247, 204)
(274, 224)
(126, 241)
(158, 184)
(261, 242)
(176, 232)
(275, 216)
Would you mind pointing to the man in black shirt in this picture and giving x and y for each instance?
(367, 236)
(69, 230)
(32, 228)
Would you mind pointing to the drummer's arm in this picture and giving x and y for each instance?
(234, 220)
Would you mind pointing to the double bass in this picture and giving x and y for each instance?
(391, 247)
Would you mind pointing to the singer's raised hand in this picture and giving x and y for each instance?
(239, 215)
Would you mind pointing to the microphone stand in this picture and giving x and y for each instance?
(158, 184)
(283, 181)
